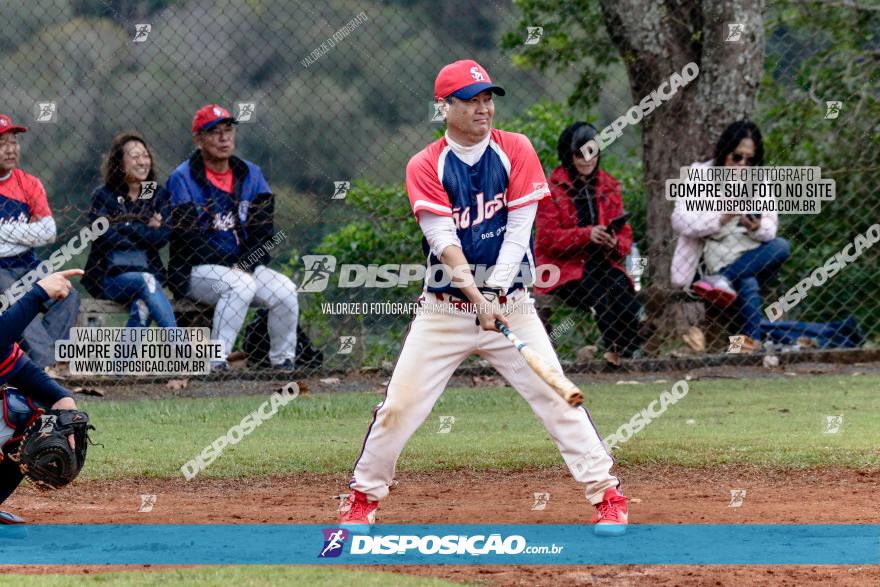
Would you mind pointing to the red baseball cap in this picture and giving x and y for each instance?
(6, 125)
(210, 116)
(463, 79)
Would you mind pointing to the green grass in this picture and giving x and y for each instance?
(250, 576)
(773, 423)
(776, 423)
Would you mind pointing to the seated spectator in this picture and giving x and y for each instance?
(739, 252)
(25, 223)
(573, 233)
(124, 263)
(222, 211)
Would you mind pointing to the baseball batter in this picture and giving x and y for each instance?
(475, 193)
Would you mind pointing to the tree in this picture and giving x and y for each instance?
(816, 51)
(812, 61)
(655, 40)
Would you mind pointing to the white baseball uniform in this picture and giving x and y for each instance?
(448, 181)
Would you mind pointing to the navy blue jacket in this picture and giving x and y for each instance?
(213, 227)
(15, 368)
(128, 232)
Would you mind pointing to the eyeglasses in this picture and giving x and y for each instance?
(738, 157)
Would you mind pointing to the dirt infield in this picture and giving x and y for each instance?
(658, 496)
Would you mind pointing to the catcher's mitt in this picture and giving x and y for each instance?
(45, 456)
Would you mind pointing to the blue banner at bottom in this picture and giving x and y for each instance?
(536, 544)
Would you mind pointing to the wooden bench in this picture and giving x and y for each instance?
(189, 313)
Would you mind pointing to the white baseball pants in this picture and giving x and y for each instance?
(436, 344)
(233, 291)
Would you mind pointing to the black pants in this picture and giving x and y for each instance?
(608, 291)
(10, 477)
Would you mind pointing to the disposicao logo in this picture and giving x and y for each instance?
(334, 540)
(444, 545)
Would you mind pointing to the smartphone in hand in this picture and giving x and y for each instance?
(616, 225)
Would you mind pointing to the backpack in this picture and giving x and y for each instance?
(844, 334)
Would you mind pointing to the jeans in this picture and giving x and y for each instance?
(233, 291)
(608, 290)
(143, 292)
(59, 316)
(747, 274)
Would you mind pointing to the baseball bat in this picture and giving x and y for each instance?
(555, 379)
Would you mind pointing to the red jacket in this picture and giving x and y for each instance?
(560, 241)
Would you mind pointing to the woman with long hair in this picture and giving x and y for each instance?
(738, 251)
(581, 230)
(124, 263)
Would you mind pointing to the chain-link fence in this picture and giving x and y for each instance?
(291, 235)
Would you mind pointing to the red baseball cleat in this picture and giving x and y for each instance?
(611, 515)
(356, 510)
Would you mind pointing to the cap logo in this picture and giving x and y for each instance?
(3, 122)
(217, 111)
(477, 75)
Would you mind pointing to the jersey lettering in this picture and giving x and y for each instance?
(224, 221)
(22, 217)
(477, 196)
(485, 211)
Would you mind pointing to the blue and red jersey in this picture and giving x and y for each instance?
(217, 219)
(22, 199)
(477, 197)
(15, 368)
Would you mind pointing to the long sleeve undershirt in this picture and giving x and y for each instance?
(19, 237)
(440, 233)
(440, 230)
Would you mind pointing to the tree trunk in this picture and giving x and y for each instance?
(656, 40)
